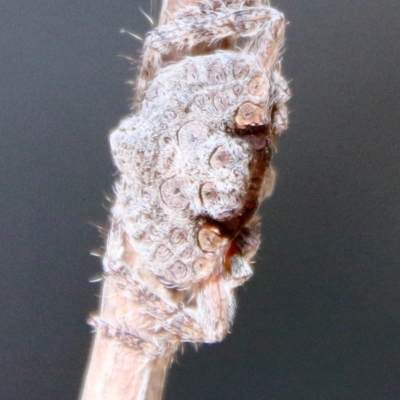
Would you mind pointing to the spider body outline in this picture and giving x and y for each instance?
(194, 165)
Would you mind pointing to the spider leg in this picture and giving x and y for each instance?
(280, 95)
(268, 42)
(207, 321)
(202, 24)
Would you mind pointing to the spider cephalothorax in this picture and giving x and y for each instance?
(194, 165)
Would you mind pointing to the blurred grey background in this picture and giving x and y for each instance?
(321, 317)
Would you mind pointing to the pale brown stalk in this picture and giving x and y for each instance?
(194, 164)
(116, 371)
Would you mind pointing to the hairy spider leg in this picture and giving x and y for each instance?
(197, 25)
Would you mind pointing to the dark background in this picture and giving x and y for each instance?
(321, 317)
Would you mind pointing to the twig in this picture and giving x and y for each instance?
(116, 371)
(194, 164)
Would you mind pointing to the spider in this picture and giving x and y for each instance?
(194, 164)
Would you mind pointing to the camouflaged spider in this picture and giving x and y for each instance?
(194, 164)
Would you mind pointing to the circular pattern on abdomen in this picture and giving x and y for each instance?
(173, 193)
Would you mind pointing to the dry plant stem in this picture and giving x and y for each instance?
(194, 163)
(119, 372)
(171, 6)
(115, 371)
